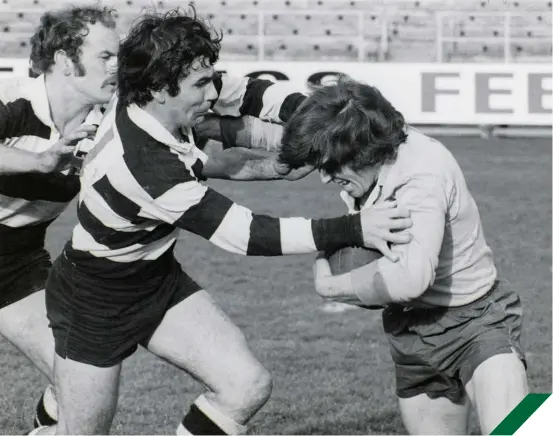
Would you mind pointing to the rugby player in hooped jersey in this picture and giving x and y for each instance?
(42, 119)
(453, 327)
(117, 284)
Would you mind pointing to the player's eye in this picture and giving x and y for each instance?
(203, 83)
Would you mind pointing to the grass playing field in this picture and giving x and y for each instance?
(332, 371)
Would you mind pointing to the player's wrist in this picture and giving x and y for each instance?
(43, 162)
(278, 170)
(331, 234)
(355, 230)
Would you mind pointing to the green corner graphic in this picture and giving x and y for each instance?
(520, 414)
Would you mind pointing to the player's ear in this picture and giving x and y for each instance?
(66, 64)
(159, 96)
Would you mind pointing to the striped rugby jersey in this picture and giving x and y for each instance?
(30, 202)
(140, 186)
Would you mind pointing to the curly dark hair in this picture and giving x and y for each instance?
(348, 123)
(65, 29)
(159, 51)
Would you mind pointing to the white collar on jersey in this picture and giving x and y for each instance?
(383, 175)
(155, 129)
(36, 94)
(374, 195)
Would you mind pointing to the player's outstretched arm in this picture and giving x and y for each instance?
(246, 165)
(203, 211)
(240, 164)
(235, 162)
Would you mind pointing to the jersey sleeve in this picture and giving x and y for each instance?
(264, 99)
(191, 205)
(18, 119)
(426, 196)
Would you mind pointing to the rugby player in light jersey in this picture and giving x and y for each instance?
(453, 327)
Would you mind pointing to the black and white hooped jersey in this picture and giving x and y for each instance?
(29, 202)
(140, 185)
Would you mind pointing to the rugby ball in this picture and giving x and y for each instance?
(344, 260)
(348, 258)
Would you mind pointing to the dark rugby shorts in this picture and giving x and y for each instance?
(22, 274)
(437, 350)
(101, 322)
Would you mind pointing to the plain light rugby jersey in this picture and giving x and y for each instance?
(448, 261)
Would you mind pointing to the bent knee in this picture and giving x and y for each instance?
(260, 385)
(250, 389)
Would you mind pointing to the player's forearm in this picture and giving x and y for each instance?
(260, 169)
(248, 234)
(383, 282)
(274, 236)
(235, 228)
(16, 161)
(240, 164)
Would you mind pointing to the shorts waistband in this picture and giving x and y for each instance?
(431, 309)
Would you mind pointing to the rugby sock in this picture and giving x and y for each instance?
(203, 418)
(46, 409)
(35, 431)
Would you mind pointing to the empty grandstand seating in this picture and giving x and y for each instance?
(24, 22)
(474, 26)
(233, 4)
(527, 50)
(238, 48)
(15, 45)
(531, 25)
(233, 23)
(412, 27)
(311, 24)
(342, 5)
(36, 4)
(411, 51)
(128, 7)
(473, 51)
(312, 49)
(372, 25)
(393, 30)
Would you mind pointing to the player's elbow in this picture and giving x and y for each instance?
(413, 282)
(325, 289)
